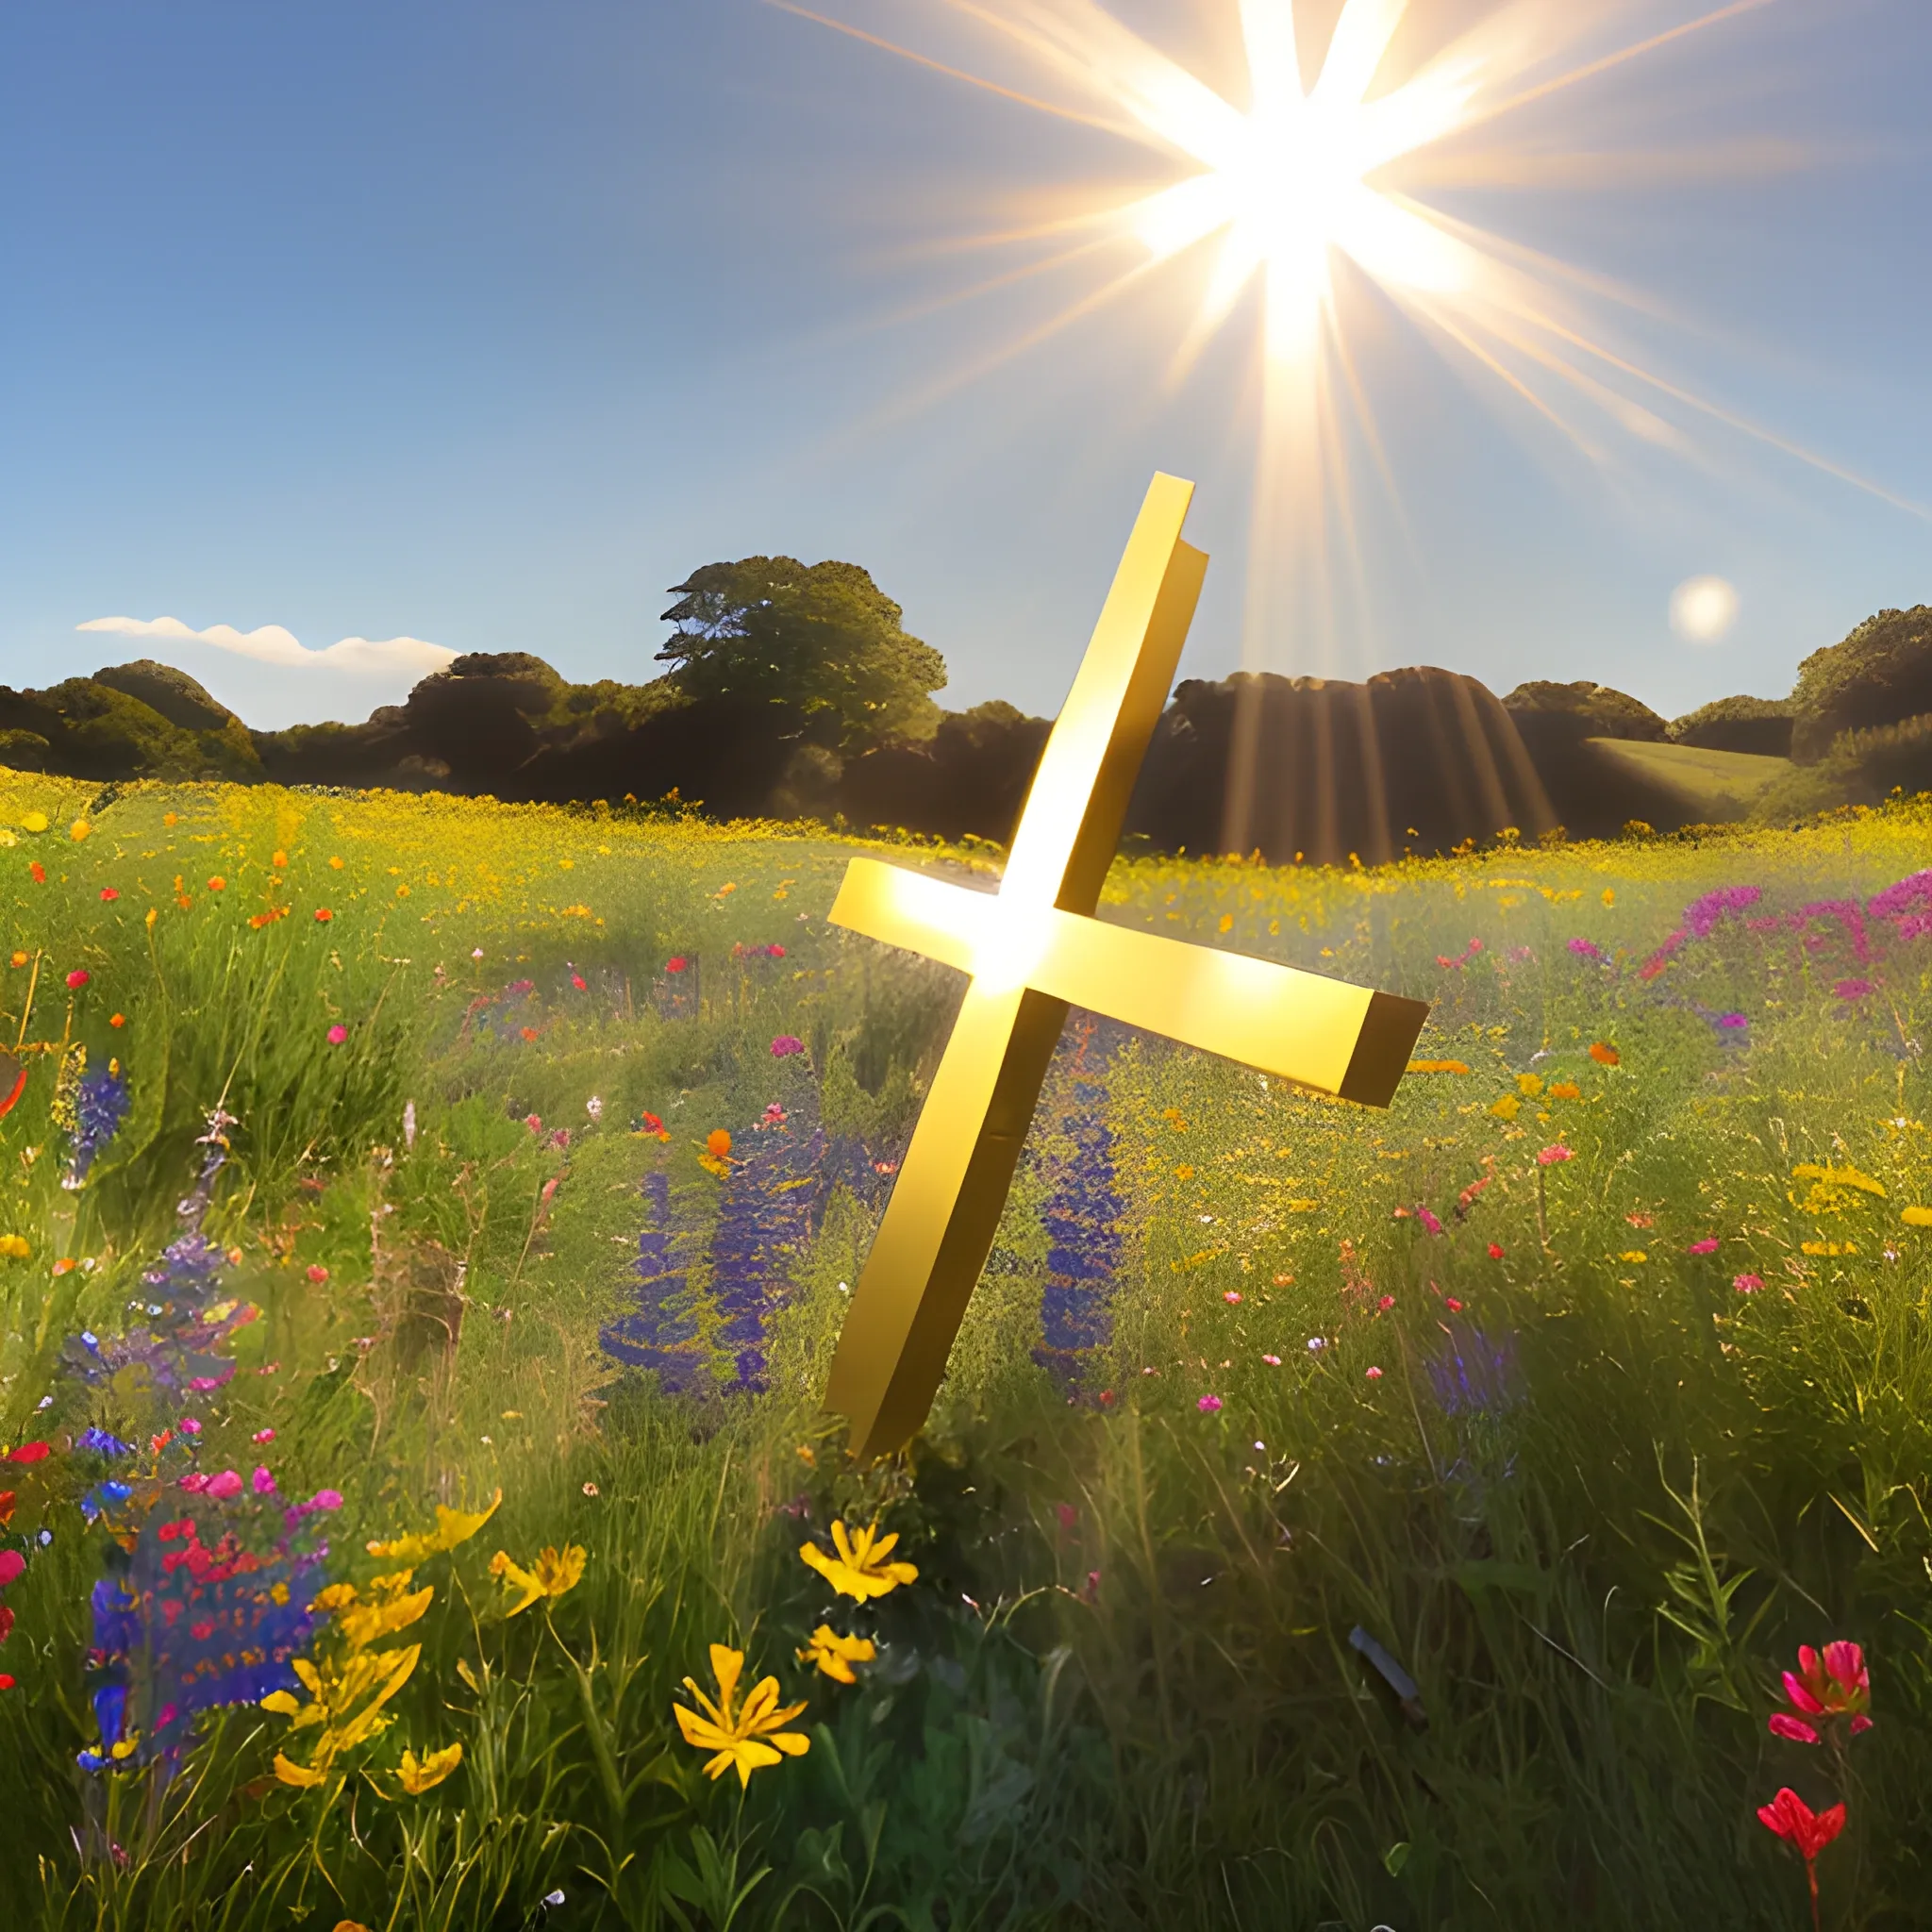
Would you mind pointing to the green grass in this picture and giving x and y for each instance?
(1122, 1691)
(1719, 786)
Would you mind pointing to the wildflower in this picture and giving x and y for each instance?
(786, 1044)
(1438, 1067)
(1709, 1245)
(676, 964)
(1636, 1256)
(834, 1655)
(554, 1574)
(1529, 1084)
(1549, 1157)
(1273, 1361)
(34, 821)
(1603, 1053)
(1747, 1284)
(109, 895)
(742, 1739)
(651, 1125)
(1810, 1831)
(1231, 1295)
(594, 1107)
(336, 1033)
(417, 1776)
(19, 959)
(323, 916)
(66, 1265)
(78, 830)
(1374, 1374)
(1506, 1109)
(1453, 1306)
(346, 1698)
(1836, 1684)
(774, 1116)
(15, 1247)
(1916, 1217)
(590, 1489)
(262, 1435)
(1316, 1344)
(78, 978)
(316, 1271)
(1428, 1220)
(218, 884)
(453, 1526)
(1584, 950)
(1210, 1404)
(1565, 1089)
(1853, 989)
(1495, 1252)
(861, 1569)
(117, 1020)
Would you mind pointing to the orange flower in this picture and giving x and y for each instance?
(1605, 1056)
(718, 1143)
(218, 884)
(1565, 1089)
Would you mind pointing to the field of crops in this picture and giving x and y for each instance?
(1331, 1519)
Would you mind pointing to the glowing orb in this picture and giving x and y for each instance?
(1702, 608)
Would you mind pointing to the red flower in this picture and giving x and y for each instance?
(78, 978)
(323, 915)
(39, 878)
(5, 1682)
(1495, 1252)
(1834, 1685)
(5, 1507)
(6, 1625)
(1790, 1816)
(31, 1452)
(676, 965)
(110, 894)
(1810, 1831)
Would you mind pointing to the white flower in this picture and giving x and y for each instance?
(594, 1107)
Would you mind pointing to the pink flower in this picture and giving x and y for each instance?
(1853, 989)
(12, 1564)
(1232, 1294)
(262, 1435)
(534, 1121)
(786, 1045)
(1548, 1157)
(1747, 1284)
(1836, 1684)
(1374, 1374)
(78, 978)
(1068, 1515)
(190, 1425)
(336, 1033)
(774, 951)
(1273, 1361)
(224, 1485)
(1709, 1245)
(1792, 1819)
(317, 1272)
(328, 1499)
(1388, 1301)
(1785, 1725)
(264, 1483)
(1428, 1220)
(1210, 1404)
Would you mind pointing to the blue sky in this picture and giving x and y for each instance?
(480, 324)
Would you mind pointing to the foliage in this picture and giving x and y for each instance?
(1578, 1393)
(1880, 673)
(1591, 710)
(1760, 726)
(822, 638)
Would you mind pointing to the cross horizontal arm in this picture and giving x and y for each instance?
(1320, 1033)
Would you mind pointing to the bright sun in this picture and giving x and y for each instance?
(1288, 181)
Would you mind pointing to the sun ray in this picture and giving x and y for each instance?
(1273, 195)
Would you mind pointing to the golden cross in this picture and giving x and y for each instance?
(1033, 948)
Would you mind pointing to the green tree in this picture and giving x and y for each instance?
(822, 637)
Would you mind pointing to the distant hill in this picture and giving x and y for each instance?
(1419, 759)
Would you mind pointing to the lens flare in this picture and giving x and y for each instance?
(1317, 194)
(1702, 608)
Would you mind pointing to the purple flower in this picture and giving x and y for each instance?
(1854, 989)
(100, 1105)
(786, 1045)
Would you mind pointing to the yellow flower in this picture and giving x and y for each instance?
(1506, 1109)
(418, 1775)
(1565, 1089)
(34, 822)
(346, 1700)
(1439, 1066)
(835, 1655)
(1913, 1217)
(78, 830)
(1529, 1083)
(860, 1570)
(453, 1526)
(15, 1245)
(742, 1741)
(552, 1574)
(362, 1624)
(1636, 1254)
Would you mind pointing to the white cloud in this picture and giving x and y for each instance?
(272, 644)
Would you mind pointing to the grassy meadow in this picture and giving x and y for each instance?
(1332, 1519)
